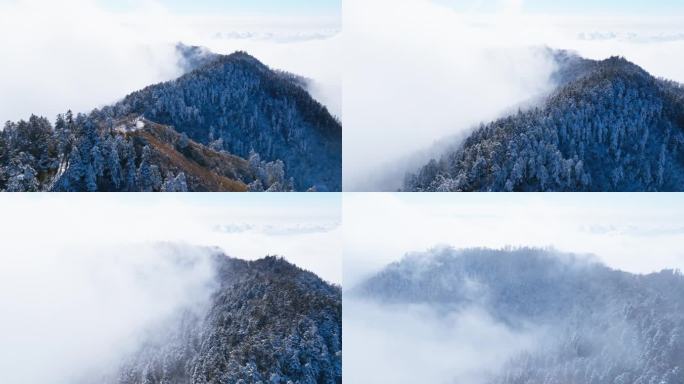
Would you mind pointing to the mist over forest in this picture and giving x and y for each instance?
(168, 313)
(515, 315)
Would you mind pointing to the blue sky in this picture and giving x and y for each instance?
(239, 6)
(576, 6)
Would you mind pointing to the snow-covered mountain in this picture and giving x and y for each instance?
(229, 124)
(268, 321)
(609, 126)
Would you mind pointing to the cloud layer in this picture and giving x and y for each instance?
(73, 55)
(74, 313)
(417, 344)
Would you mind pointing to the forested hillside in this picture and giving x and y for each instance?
(129, 155)
(602, 325)
(238, 104)
(268, 322)
(609, 126)
(230, 124)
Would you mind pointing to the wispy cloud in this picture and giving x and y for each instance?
(279, 230)
(83, 276)
(631, 37)
(81, 310)
(407, 344)
(246, 227)
(278, 37)
(234, 228)
(648, 230)
(301, 229)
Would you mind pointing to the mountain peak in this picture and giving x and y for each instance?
(192, 57)
(240, 105)
(618, 65)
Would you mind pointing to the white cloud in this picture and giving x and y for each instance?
(638, 233)
(417, 72)
(78, 311)
(82, 276)
(405, 343)
(270, 230)
(74, 54)
(417, 344)
(652, 42)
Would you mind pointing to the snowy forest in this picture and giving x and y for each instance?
(608, 126)
(599, 325)
(229, 124)
(268, 322)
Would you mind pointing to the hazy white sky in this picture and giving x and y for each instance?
(584, 7)
(305, 229)
(638, 233)
(268, 7)
(83, 54)
(418, 71)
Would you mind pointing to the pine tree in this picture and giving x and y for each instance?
(114, 165)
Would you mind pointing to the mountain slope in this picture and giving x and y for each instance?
(241, 105)
(268, 322)
(609, 126)
(604, 326)
(204, 168)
